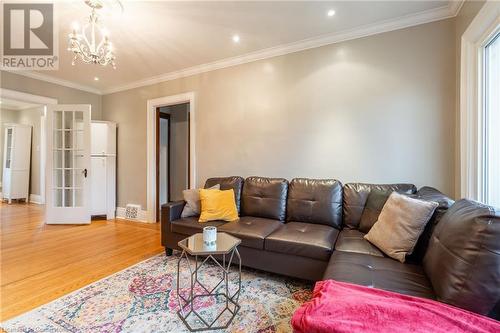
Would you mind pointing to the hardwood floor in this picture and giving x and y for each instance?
(40, 262)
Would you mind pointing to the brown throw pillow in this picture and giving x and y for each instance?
(400, 224)
(374, 204)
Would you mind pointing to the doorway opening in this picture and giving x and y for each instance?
(172, 153)
(25, 110)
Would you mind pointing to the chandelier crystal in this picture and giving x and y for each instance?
(91, 44)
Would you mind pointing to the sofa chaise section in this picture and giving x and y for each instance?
(379, 272)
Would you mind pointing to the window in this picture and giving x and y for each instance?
(491, 122)
(480, 107)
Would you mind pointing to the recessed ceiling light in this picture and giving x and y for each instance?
(236, 38)
(96, 78)
(330, 13)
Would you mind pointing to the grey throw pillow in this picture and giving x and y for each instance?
(400, 224)
(193, 204)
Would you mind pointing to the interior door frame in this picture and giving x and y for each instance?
(160, 115)
(152, 104)
(44, 101)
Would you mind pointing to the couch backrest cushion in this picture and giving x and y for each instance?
(463, 257)
(315, 201)
(356, 194)
(227, 183)
(264, 197)
(444, 203)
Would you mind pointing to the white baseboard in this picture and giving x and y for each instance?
(36, 199)
(143, 215)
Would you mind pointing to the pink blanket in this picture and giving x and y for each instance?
(345, 307)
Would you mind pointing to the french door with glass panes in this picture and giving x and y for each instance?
(68, 164)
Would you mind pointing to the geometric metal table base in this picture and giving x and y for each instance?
(231, 301)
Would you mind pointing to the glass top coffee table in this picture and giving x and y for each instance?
(208, 282)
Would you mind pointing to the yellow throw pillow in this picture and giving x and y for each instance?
(217, 205)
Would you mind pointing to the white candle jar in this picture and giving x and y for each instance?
(209, 235)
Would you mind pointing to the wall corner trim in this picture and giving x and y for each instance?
(455, 6)
(36, 199)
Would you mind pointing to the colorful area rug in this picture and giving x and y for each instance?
(143, 298)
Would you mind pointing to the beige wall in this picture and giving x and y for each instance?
(375, 109)
(465, 16)
(64, 95)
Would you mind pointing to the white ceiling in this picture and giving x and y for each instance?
(157, 38)
(12, 104)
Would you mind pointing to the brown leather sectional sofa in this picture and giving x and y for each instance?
(308, 228)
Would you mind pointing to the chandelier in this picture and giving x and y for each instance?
(91, 43)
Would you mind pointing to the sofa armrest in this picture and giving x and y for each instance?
(431, 194)
(170, 212)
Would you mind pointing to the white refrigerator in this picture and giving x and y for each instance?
(103, 168)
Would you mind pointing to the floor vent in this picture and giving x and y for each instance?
(132, 211)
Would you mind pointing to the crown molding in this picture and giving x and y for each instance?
(402, 22)
(29, 98)
(432, 15)
(51, 79)
(454, 6)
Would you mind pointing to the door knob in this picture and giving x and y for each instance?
(84, 173)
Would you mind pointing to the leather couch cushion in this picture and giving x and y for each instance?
(226, 183)
(374, 204)
(463, 257)
(251, 230)
(379, 272)
(444, 203)
(350, 240)
(190, 225)
(315, 201)
(303, 239)
(265, 197)
(356, 194)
